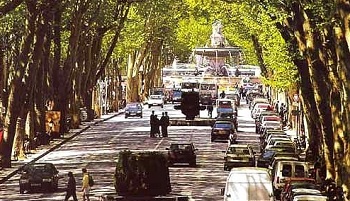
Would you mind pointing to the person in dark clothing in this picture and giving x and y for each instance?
(71, 187)
(153, 123)
(222, 95)
(210, 108)
(164, 122)
(157, 125)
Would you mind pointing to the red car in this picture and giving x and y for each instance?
(297, 182)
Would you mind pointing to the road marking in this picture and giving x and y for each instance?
(159, 143)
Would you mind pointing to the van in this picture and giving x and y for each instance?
(248, 184)
(283, 170)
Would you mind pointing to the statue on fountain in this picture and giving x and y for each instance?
(217, 64)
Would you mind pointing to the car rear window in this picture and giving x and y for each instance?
(237, 150)
(287, 170)
(299, 171)
(223, 125)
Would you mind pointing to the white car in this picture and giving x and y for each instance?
(155, 100)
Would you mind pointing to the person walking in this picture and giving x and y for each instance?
(153, 123)
(85, 185)
(210, 108)
(71, 188)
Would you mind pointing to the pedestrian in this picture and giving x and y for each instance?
(157, 125)
(164, 122)
(71, 188)
(222, 95)
(85, 185)
(153, 124)
(210, 109)
(276, 106)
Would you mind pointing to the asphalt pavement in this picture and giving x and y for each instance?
(43, 150)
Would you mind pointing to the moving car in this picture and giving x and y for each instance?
(248, 183)
(182, 153)
(42, 176)
(176, 96)
(133, 109)
(226, 106)
(238, 155)
(155, 100)
(222, 129)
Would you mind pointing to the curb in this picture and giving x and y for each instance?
(3, 180)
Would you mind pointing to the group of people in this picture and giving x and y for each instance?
(163, 123)
(71, 186)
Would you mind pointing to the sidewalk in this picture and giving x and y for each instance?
(43, 150)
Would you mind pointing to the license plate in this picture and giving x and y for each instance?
(35, 184)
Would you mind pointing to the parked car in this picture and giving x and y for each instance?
(133, 109)
(221, 130)
(248, 183)
(41, 176)
(267, 156)
(295, 183)
(238, 155)
(284, 170)
(182, 153)
(155, 100)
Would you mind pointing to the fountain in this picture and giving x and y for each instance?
(213, 58)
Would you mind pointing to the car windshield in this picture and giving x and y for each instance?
(39, 169)
(223, 125)
(134, 106)
(268, 154)
(272, 124)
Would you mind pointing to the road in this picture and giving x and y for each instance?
(97, 150)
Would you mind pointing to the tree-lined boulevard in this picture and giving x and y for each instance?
(97, 149)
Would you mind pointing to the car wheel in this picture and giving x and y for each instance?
(149, 106)
(161, 106)
(212, 139)
(126, 117)
(141, 116)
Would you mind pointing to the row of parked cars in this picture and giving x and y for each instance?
(290, 174)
